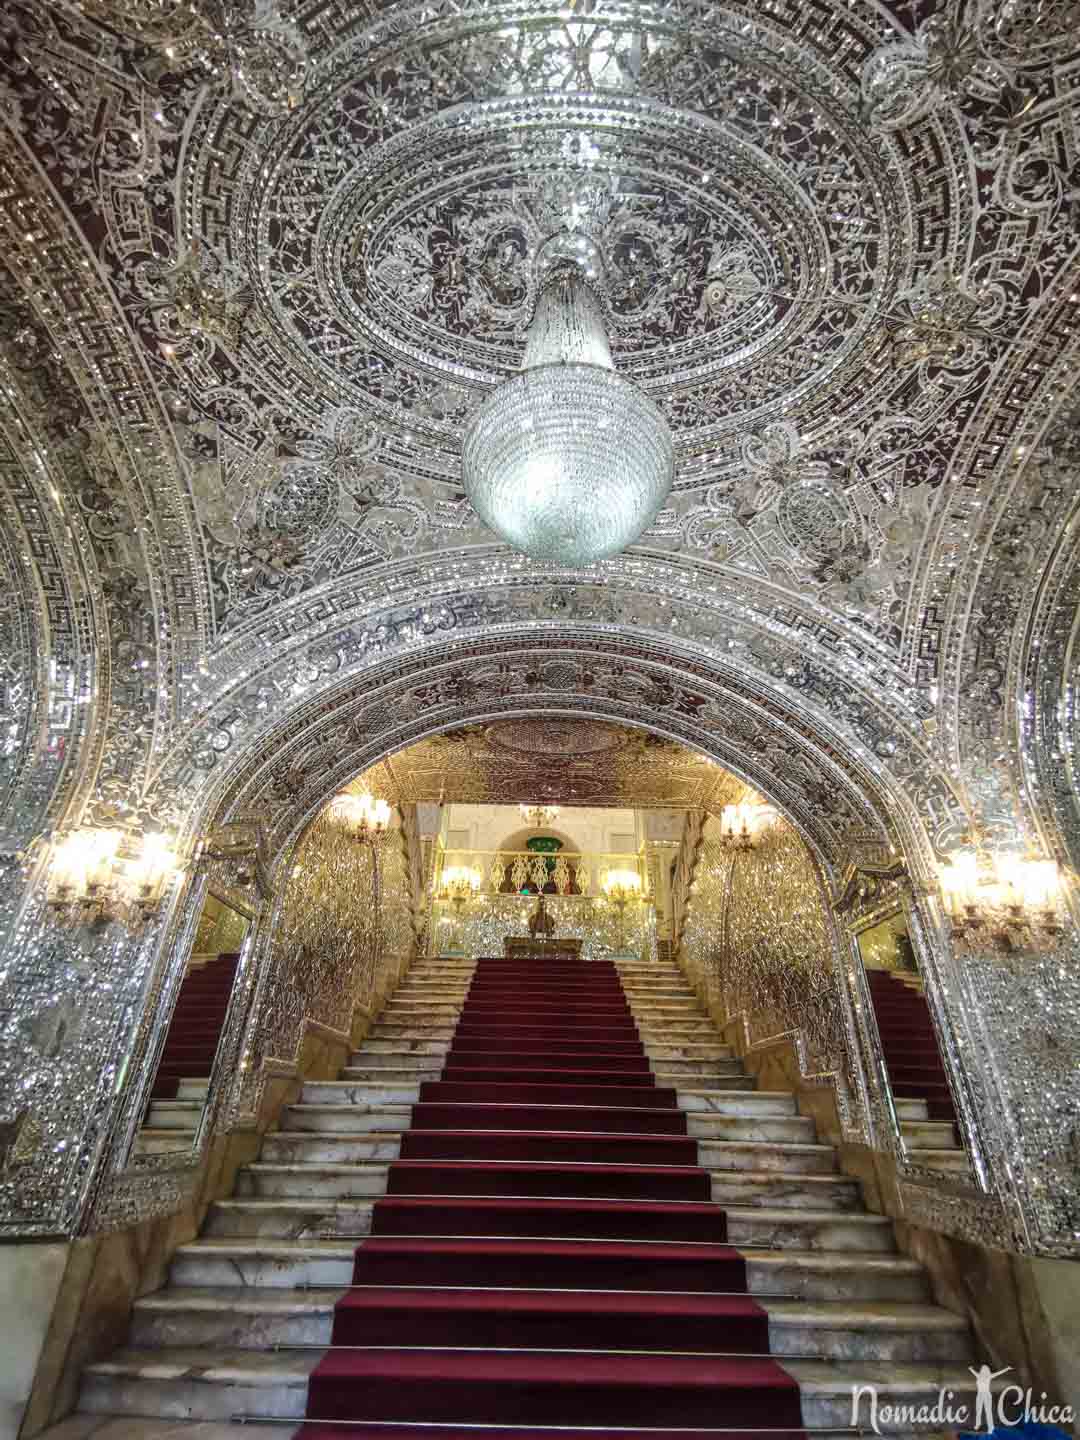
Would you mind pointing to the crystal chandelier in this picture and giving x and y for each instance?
(367, 820)
(567, 460)
(541, 816)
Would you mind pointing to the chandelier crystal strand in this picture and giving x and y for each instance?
(568, 461)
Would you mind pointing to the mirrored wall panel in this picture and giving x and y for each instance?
(912, 1058)
(180, 1087)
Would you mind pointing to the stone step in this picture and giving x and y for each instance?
(342, 1092)
(768, 1128)
(835, 1275)
(827, 1387)
(244, 1318)
(383, 1076)
(163, 1142)
(387, 1060)
(174, 1114)
(703, 1050)
(346, 1118)
(270, 1264)
(199, 1384)
(929, 1135)
(193, 1089)
(780, 1190)
(751, 1103)
(673, 1031)
(256, 1318)
(288, 1219)
(412, 1031)
(228, 1382)
(847, 1330)
(910, 1109)
(376, 1046)
(781, 1228)
(758, 1156)
(674, 1068)
(950, 1162)
(303, 1148)
(735, 1080)
(263, 1181)
(808, 1274)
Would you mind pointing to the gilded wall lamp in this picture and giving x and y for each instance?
(99, 876)
(1001, 903)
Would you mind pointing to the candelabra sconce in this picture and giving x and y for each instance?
(460, 884)
(101, 876)
(541, 817)
(1002, 903)
(367, 820)
(621, 887)
(742, 826)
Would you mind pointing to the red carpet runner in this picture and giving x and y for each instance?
(199, 1014)
(547, 1243)
(909, 1044)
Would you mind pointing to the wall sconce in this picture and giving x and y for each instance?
(621, 887)
(367, 820)
(1002, 902)
(98, 876)
(459, 884)
(742, 826)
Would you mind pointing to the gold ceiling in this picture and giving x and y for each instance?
(565, 760)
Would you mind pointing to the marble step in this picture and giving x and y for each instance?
(225, 1383)
(671, 1032)
(782, 1228)
(422, 1015)
(834, 1275)
(292, 1148)
(174, 1114)
(288, 1219)
(767, 1128)
(808, 1274)
(402, 1047)
(258, 1318)
(246, 1318)
(163, 1142)
(346, 1118)
(702, 1050)
(364, 1179)
(342, 1092)
(269, 1264)
(149, 1427)
(193, 1089)
(885, 1331)
(735, 1080)
(382, 1030)
(699, 1098)
(826, 1389)
(791, 1159)
(754, 1103)
(949, 1162)
(383, 1076)
(781, 1190)
(678, 1067)
(910, 1109)
(199, 1384)
(389, 1060)
(929, 1135)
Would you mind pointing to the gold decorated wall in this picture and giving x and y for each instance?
(757, 938)
(487, 920)
(342, 937)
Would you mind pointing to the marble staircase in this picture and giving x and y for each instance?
(248, 1309)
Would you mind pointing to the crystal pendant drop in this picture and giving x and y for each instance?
(567, 460)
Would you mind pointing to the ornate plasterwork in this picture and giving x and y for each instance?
(563, 759)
